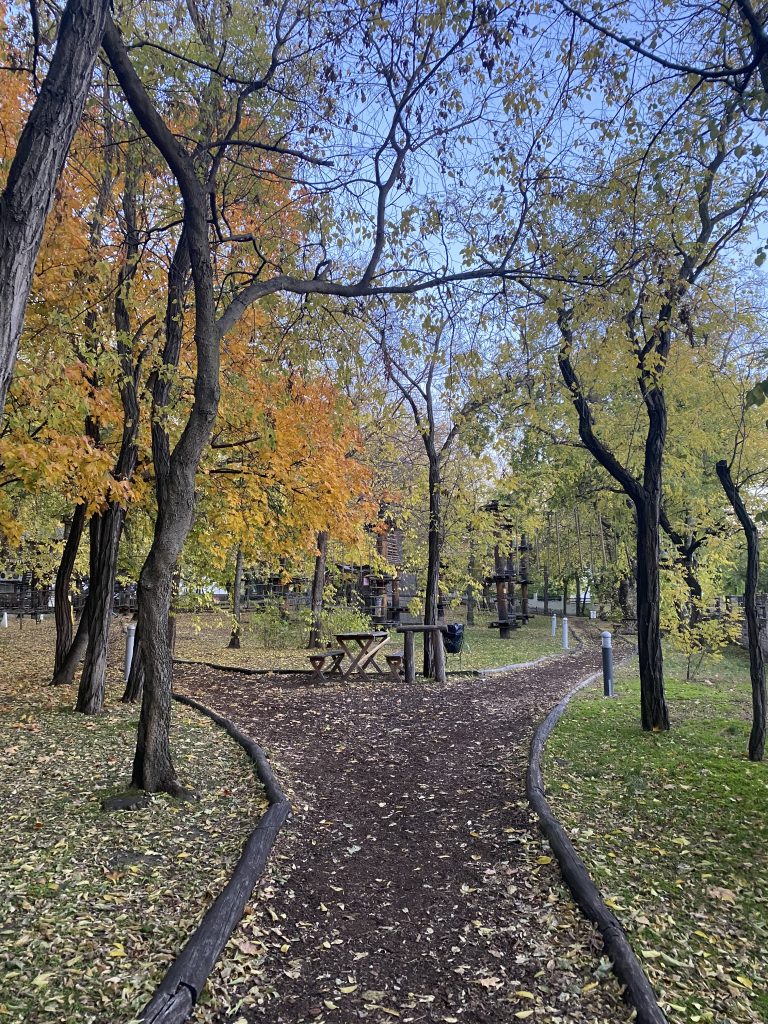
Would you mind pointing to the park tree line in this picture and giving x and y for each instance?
(286, 259)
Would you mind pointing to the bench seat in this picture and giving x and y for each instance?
(318, 661)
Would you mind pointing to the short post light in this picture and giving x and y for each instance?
(565, 633)
(607, 663)
(130, 638)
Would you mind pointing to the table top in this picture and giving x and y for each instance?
(364, 635)
(419, 627)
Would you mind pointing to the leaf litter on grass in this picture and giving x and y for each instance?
(95, 906)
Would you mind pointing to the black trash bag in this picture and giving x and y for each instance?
(453, 637)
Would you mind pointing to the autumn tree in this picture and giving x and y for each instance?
(410, 60)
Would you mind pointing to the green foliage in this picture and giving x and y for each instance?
(275, 628)
(343, 618)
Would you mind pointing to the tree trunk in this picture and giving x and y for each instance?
(135, 682)
(471, 599)
(756, 664)
(565, 595)
(62, 601)
(432, 594)
(106, 528)
(234, 640)
(153, 767)
(66, 672)
(546, 588)
(37, 164)
(318, 583)
(653, 707)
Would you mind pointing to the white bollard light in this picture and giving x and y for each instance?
(5, 620)
(565, 633)
(130, 637)
(554, 625)
(607, 647)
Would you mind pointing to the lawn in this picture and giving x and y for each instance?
(204, 636)
(674, 829)
(96, 905)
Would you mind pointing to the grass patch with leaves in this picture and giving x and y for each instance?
(673, 828)
(204, 636)
(96, 905)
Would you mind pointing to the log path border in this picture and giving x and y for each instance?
(626, 965)
(177, 994)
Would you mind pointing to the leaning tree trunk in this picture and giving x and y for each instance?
(234, 640)
(756, 664)
(37, 164)
(432, 592)
(135, 682)
(106, 528)
(653, 707)
(65, 674)
(62, 601)
(318, 583)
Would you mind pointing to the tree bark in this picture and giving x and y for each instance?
(653, 707)
(62, 600)
(105, 532)
(135, 682)
(234, 640)
(318, 583)
(434, 545)
(66, 672)
(756, 663)
(37, 164)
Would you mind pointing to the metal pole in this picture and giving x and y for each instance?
(565, 633)
(554, 625)
(130, 636)
(607, 664)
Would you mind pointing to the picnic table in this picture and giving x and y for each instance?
(361, 648)
(438, 651)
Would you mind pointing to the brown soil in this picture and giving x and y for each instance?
(412, 883)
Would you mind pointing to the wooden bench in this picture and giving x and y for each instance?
(395, 662)
(318, 661)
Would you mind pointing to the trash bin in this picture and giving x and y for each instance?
(453, 637)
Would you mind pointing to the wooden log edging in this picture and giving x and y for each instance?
(638, 989)
(176, 995)
(244, 671)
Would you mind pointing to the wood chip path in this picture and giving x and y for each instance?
(411, 884)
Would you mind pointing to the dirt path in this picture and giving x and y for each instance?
(411, 884)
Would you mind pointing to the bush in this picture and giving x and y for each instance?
(343, 618)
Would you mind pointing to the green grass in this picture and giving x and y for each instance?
(94, 905)
(204, 637)
(674, 829)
